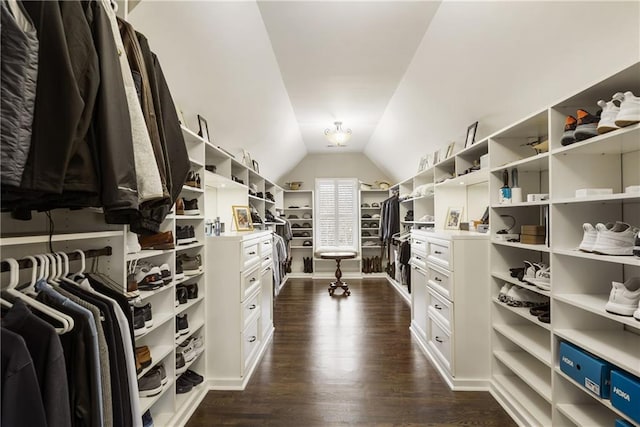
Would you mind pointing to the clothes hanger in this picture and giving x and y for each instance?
(83, 264)
(65, 320)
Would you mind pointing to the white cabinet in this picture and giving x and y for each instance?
(240, 315)
(449, 304)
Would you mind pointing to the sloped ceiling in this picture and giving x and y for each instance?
(407, 77)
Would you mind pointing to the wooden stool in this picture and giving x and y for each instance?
(338, 256)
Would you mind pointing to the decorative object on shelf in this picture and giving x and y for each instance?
(504, 195)
(294, 185)
(338, 137)
(449, 151)
(246, 158)
(423, 163)
(516, 191)
(383, 185)
(436, 157)
(453, 218)
(242, 218)
(539, 144)
(256, 166)
(428, 161)
(364, 186)
(204, 128)
(471, 135)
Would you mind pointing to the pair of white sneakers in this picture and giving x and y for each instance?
(624, 298)
(623, 110)
(608, 239)
(538, 274)
(516, 296)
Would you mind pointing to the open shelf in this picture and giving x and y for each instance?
(187, 278)
(586, 415)
(524, 313)
(158, 353)
(180, 248)
(148, 402)
(147, 294)
(145, 253)
(475, 177)
(190, 303)
(595, 303)
(520, 204)
(537, 163)
(539, 248)
(514, 281)
(190, 189)
(523, 336)
(529, 371)
(626, 260)
(619, 141)
(608, 198)
(159, 319)
(44, 238)
(193, 329)
(513, 387)
(189, 217)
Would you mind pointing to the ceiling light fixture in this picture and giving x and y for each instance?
(338, 136)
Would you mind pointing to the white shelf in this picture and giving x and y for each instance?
(472, 178)
(539, 248)
(586, 415)
(428, 196)
(529, 371)
(44, 238)
(193, 329)
(147, 294)
(608, 198)
(190, 303)
(158, 353)
(524, 313)
(523, 395)
(148, 402)
(626, 260)
(619, 141)
(187, 278)
(514, 281)
(189, 217)
(371, 247)
(301, 247)
(196, 162)
(159, 319)
(520, 204)
(604, 402)
(619, 347)
(595, 303)
(188, 364)
(191, 137)
(299, 209)
(147, 254)
(523, 336)
(369, 229)
(537, 163)
(188, 188)
(196, 392)
(180, 248)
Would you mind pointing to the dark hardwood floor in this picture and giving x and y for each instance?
(337, 361)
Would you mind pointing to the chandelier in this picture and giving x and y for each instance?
(338, 136)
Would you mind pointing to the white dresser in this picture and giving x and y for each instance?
(240, 311)
(450, 304)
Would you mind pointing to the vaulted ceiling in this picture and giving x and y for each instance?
(406, 77)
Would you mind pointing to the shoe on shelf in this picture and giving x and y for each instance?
(609, 114)
(145, 311)
(587, 125)
(181, 366)
(531, 269)
(541, 309)
(133, 247)
(143, 356)
(192, 290)
(165, 272)
(187, 350)
(191, 179)
(629, 113)
(138, 324)
(147, 421)
(568, 137)
(150, 384)
(502, 295)
(542, 279)
(198, 181)
(191, 207)
(191, 265)
(545, 317)
(147, 276)
(636, 247)
(163, 373)
(196, 343)
(182, 324)
(183, 385)
(181, 295)
(179, 272)
(184, 235)
(618, 240)
(193, 377)
(180, 206)
(624, 297)
(158, 241)
(521, 297)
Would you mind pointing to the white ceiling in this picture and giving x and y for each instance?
(406, 77)
(342, 61)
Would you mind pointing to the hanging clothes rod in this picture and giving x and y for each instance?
(73, 256)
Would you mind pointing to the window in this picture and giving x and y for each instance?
(336, 218)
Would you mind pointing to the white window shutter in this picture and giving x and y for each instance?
(336, 217)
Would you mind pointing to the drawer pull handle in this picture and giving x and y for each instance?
(253, 279)
(437, 252)
(253, 338)
(437, 307)
(252, 307)
(267, 243)
(437, 279)
(418, 258)
(439, 340)
(252, 253)
(418, 242)
(267, 259)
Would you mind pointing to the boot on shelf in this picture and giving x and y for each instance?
(367, 265)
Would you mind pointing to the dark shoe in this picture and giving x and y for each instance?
(163, 373)
(180, 365)
(183, 324)
(193, 377)
(138, 324)
(183, 385)
(147, 421)
(191, 207)
(183, 235)
(181, 294)
(179, 272)
(158, 241)
(192, 291)
(545, 317)
(191, 265)
(145, 310)
(587, 125)
(191, 179)
(537, 311)
(568, 137)
(198, 181)
(165, 271)
(636, 246)
(150, 384)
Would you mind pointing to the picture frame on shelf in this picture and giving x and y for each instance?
(423, 164)
(436, 157)
(471, 135)
(242, 218)
(256, 166)
(203, 128)
(454, 216)
(450, 149)
(246, 159)
(429, 161)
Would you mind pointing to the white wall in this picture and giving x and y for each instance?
(342, 165)
(497, 62)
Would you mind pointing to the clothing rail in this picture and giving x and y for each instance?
(92, 253)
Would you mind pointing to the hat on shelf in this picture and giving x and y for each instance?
(364, 205)
(366, 216)
(306, 215)
(306, 225)
(376, 216)
(295, 226)
(305, 234)
(375, 205)
(307, 243)
(366, 234)
(293, 216)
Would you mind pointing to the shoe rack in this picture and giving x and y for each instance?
(526, 377)
(370, 232)
(299, 203)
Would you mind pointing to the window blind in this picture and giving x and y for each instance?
(336, 218)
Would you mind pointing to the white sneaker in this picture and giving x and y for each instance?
(133, 247)
(502, 295)
(629, 110)
(521, 297)
(542, 279)
(187, 350)
(624, 297)
(588, 238)
(615, 241)
(609, 114)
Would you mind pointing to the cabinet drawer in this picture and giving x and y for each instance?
(439, 252)
(440, 308)
(250, 255)
(418, 246)
(250, 308)
(266, 247)
(250, 343)
(250, 281)
(267, 261)
(440, 279)
(440, 343)
(418, 260)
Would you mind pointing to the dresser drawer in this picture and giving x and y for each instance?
(419, 246)
(440, 308)
(267, 261)
(440, 280)
(250, 254)
(440, 343)
(439, 252)
(250, 308)
(249, 282)
(266, 247)
(418, 260)
(250, 344)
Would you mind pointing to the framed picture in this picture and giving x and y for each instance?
(246, 159)
(450, 148)
(428, 161)
(423, 164)
(242, 218)
(452, 222)
(436, 157)
(471, 135)
(256, 166)
(203, 131)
